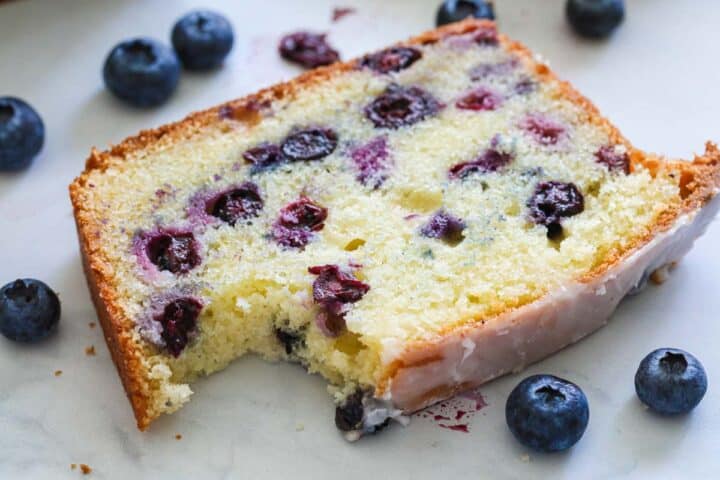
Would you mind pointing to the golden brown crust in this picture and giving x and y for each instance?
(697, 180)
(116, 326)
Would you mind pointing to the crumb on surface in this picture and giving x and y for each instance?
(525, 458)
(299, 427)
(86, 470)
(91, 324)
(90, 351)
(73, 466)
(57, 373)
(178, 436)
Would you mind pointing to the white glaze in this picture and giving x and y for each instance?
(511, 342)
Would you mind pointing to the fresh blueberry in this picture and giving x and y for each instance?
(22, 133)
(142, 72)
(29, 310)
(547, 413)
(670, 381)
(455, 10)
(202, 39)
(595, 18)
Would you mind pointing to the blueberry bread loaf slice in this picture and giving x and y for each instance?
(408, 225)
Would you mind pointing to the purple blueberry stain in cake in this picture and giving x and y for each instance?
(291, 340)
(486, 36)
(310, 144)
(237, 203)
(524, 86)
(444, 226)
(486, 70)
(297, 223)
(178, 319)
(264, 157)
(553, 201)
(234, 204)
(544, 130)
(480, 99)
(392, 59)
(307, 49)
(499, 154)
(491, 160)
(334, 290)
(401, 106)
(615, 159)
(372, 162)
(168, 249)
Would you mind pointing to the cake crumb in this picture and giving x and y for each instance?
(73, 466)
(91, 324)
(525, 458)
(178, 436)
(57, 373)
(299, 427)
(90, 351)
(85, 469)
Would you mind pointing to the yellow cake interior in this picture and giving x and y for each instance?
(419, 287)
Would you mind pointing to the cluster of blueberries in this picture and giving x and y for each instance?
(543, 412)
(589, 18)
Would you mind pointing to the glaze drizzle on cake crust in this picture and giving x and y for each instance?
(405, 224)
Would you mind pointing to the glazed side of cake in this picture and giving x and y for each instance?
(376, 221)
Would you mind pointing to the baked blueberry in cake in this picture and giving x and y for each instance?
(408, 225)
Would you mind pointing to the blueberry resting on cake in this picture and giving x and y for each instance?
(408, 225)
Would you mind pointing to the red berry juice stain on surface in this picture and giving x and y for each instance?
(455, 414)
(339, 13)
(458, 428)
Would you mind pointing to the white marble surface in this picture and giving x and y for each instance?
(658, 79)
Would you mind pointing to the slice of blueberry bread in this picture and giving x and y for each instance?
(409, 225)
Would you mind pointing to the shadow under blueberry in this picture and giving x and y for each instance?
(651, 437)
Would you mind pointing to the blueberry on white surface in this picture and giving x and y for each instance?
(670, 381)
(142, 72)
(29, 310)
(22, 134)
(455, 10)
(595, 18)
(202, 39)
(547, 413)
